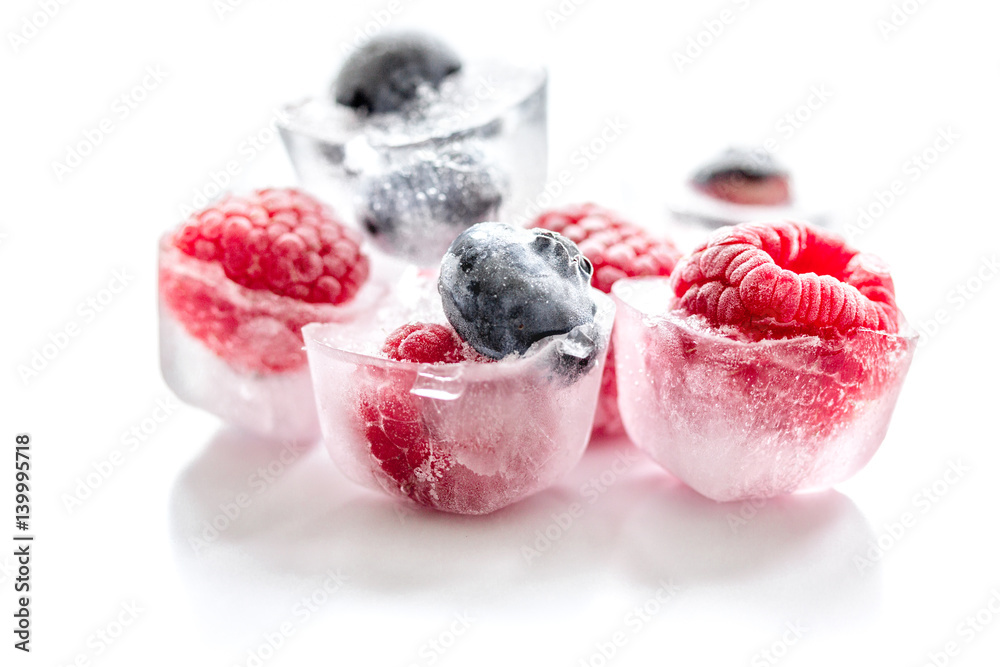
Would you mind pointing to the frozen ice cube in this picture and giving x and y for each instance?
(279, 405)
(490, 115)
(736, 418)
(238, 352)
(468, 438)
(415, 209)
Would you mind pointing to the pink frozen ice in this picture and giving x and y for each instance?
(471, 396)
(771, 362)
(238, 281)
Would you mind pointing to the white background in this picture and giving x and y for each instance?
(739, 586)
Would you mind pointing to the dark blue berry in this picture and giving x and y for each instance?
(417, 209)
(504, 288)
(386, 73)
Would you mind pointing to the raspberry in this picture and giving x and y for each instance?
(737, 418)
(252, 334)
(615, 247)
(607, 418)
(392, 423)
(424, 344)
(782, 279)
(396, 436)
(245, 275)
(280, 240)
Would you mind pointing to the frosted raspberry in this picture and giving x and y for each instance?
(616, 247)
(391, 421)
(245, 275)
(424, 344)
(783, 279)
(280, 240)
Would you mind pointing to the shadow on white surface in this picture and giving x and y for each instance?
(788, 558)
(253, 542)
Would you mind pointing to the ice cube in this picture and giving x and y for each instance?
(737, 419)
(238, 352)
(468, 438)
(485, 125)
(279, 406)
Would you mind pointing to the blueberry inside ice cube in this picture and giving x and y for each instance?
(416, 209)
(505, 288)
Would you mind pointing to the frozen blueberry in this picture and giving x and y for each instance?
(743, 176)
(388, 71)
(417, 209)
(504, 288)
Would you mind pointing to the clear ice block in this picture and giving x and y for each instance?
(413, 180)
(238, 352)
(737, 419)
(490, 433)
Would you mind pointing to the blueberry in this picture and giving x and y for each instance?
(388, 71)
(504, 288)
(417, 209)
(752, 165)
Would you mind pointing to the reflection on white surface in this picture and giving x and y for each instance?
(618, 519)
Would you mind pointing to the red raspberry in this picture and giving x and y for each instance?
(765, 394)
(245, 275)
(392, 423)
(280, 240)
(785, 280)
(617, 249)
(424, 344)
(782, 279)
(252, 334)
